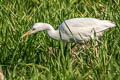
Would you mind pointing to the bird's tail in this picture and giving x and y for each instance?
(109, 23)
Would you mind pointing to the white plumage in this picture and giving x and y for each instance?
(76, 29)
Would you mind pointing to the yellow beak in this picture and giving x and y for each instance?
(27, 33)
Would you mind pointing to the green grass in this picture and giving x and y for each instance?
(28, 59)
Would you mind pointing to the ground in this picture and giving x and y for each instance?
(27, 59)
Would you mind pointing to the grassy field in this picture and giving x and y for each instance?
(28, 59)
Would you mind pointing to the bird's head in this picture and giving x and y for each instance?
(35, 28)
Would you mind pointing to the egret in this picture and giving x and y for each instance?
(76, 29)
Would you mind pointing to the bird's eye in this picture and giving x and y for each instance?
(33, 28)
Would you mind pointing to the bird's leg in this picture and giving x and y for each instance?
(96, 45)
(96, 49)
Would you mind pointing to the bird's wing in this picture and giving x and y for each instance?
(85, 25)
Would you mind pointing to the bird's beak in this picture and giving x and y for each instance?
(27, 33)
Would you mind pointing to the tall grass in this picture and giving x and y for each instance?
(28, 59)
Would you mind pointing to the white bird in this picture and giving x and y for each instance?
(76, 29)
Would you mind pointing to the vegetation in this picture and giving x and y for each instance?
(28, 59)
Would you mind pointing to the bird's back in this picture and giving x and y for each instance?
(88, 22)
(84, 27)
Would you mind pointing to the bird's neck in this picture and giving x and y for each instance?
(52, 32)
